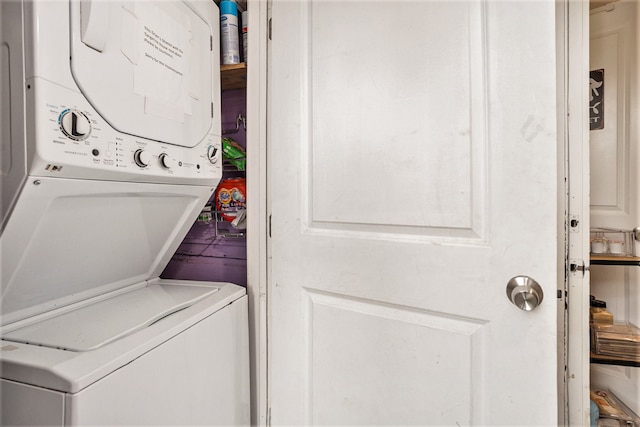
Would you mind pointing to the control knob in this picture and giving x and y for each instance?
(142, 158)
(74, 124)
(165, 161)
(211, 154)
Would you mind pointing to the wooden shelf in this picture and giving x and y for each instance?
(610, 360)
(614, 260)
(233, 76)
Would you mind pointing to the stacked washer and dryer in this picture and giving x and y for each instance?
(110, 149)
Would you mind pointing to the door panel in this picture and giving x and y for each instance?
(609, 163)
(402, 340)
(435, 139)
(413, 172)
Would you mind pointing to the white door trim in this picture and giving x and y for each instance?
(257, 221)
(576, 126)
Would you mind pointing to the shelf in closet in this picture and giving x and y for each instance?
(233, 76)
(615, 260)
(610, 360)
(620, 260)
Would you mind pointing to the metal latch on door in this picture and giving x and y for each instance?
(578, 266)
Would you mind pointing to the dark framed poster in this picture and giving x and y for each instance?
(596, 99)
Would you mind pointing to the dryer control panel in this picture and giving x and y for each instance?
(74, 141)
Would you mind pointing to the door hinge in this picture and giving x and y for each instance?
(269, 28)
(211, 43)
(212, 110)
(269, 225)
(268, 416)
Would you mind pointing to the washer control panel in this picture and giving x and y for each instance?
(73, 140)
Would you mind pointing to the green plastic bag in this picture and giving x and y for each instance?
(233, 153)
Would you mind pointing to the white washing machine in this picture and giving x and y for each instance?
(110, 149)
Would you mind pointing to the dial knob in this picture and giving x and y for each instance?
(74, 124)
(142, 158)
(211, 154)
(165, 161)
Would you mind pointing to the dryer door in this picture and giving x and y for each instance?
(148, 67)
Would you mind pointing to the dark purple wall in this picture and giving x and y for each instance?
(204, 254)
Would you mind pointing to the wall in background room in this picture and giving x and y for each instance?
(213, 251)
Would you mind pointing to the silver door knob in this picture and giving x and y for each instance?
(524, 292)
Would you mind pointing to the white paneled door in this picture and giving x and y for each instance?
(413, 171)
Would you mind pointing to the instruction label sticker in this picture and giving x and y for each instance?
(162, 71)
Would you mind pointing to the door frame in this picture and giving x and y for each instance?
(257, 221)
(574, 86)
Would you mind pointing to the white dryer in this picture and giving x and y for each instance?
(110, 149)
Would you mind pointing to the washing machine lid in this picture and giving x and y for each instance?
(97, 324)
(71, 240)
(71, 371)
(147, 66)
